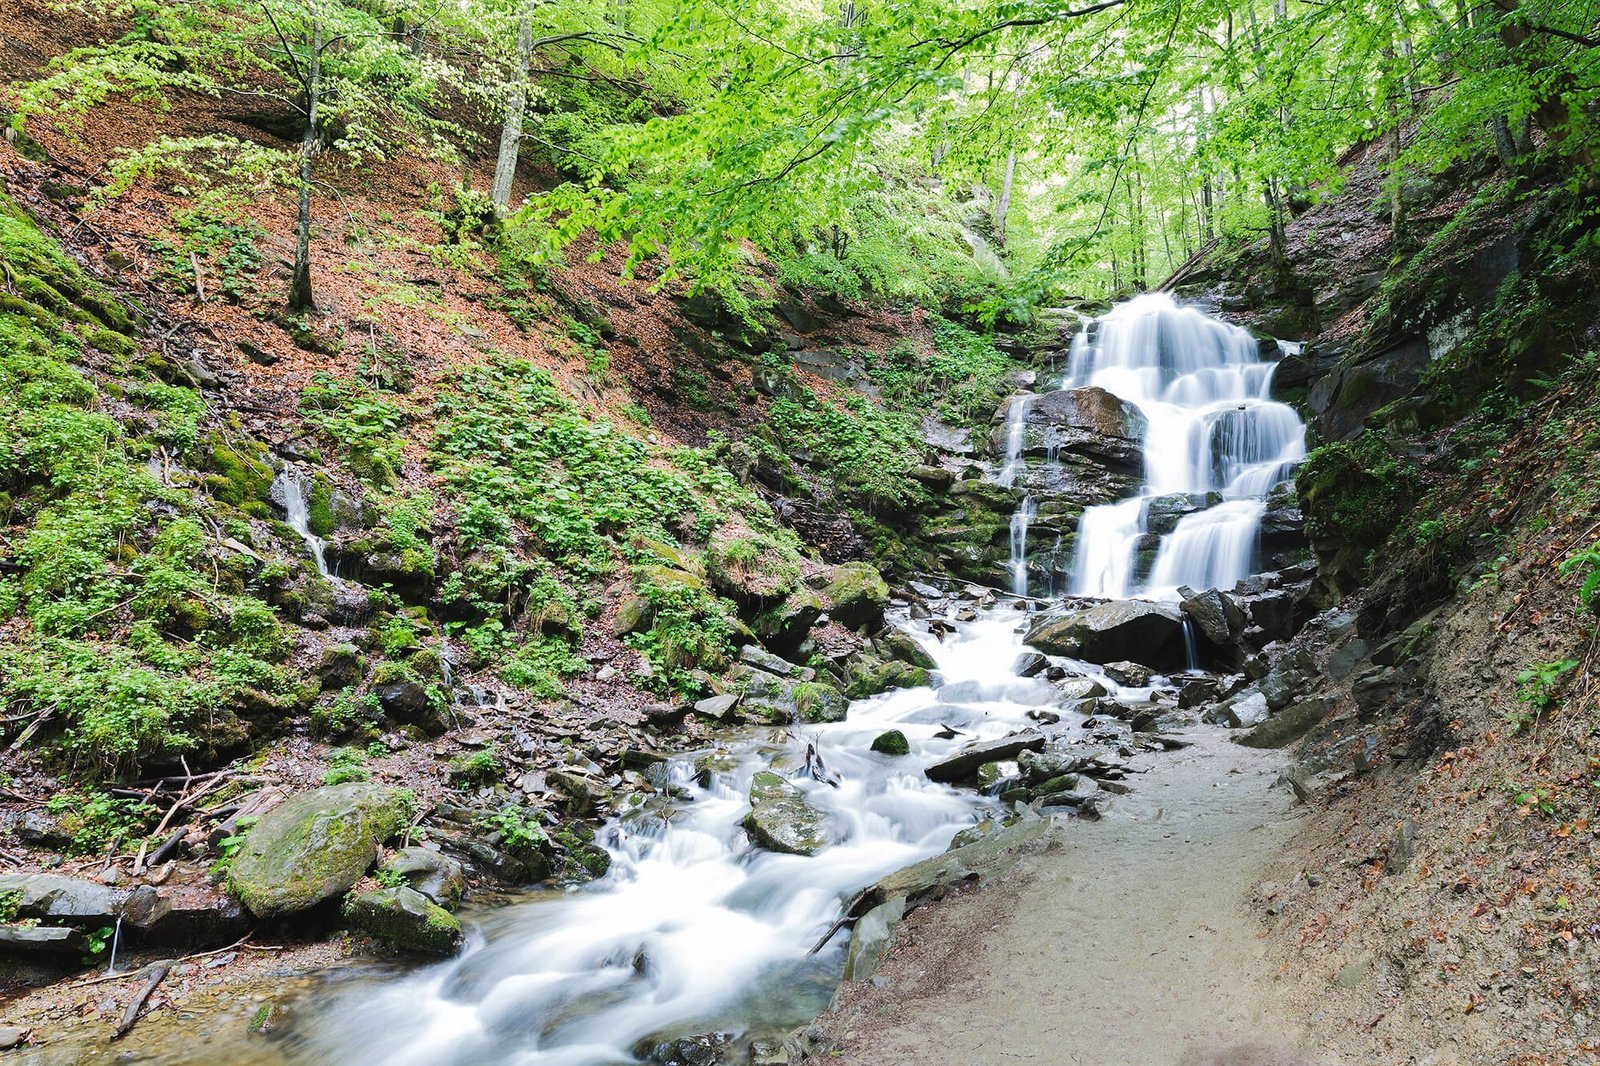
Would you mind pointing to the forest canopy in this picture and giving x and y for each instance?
(983, 154)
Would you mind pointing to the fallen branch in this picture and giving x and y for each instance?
(158, 973)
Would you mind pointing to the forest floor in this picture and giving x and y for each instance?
(1137, 939)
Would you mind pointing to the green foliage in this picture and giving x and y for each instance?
(538, 665)
(345, 764)
(865, 449)
(1586, 563)
(346, 714)
(361, 420)
(1356, 492)
(1537, 685)
(516, 827)
(963, 379)
(97, 821)
(690, 629)
(481, 767)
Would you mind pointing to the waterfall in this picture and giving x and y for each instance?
(1214, 433)
(1016, 444)
(297, 514)
(1023, 515)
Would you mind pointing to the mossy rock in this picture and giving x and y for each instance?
(856, 594)
(785, 627)
(314, 847)
(406, 919)
(901, 646)
(780, 819)
(870, 675)
(817, 702)
(753, 570)
(893, 742)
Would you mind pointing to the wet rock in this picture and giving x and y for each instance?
(1030, 664)
(1198, 691)
(1216, 615)
(1163, 513)
(1128, 673)
(408, 703)
(56, 898)
(1288, 726)
(871, 938)
(41, 940)
(856, 595)
(581, 793)
(1085, 422)
(11, 1036)
(762, 659)
(946, 438)
(1282, 685)
(963, 765)
(1081, 688)
(713, 1049)
(900, 646)
(780, 819)
(1146, 633)
(487, 859)
(869, 675)
(1244, 710)
(340, 666)
(1273, 611)
(406, 919)
(314, 846)
(815, 701)
(893, 742)
(433, 873)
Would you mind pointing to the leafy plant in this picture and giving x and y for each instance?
(516, 827)
(98, 821)
(1587, 564)
(1536, 690)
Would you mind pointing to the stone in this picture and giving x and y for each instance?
(11, 1036)
(871, 938)
(1081, 688)
(433, 873)
(963, 765)
(1126, 673)
(718, 707)
(781, 820)
(856, 595)
(314, 846)
(1030, 664)
(1288, 726)
(41, 940)
(341, 666)
(1147, 633)
(36, 829)
(1088, 422)
(52, 897)
(935, 478)
(405, 918)
(1217, 616)
(815, 701)
(869, 675)
(1246, 709)
(762, 659)
(1281, 686)
(893, 742)
(581, 794)
(1162, 513)
(1273, 611)
(785, 627)
(408, 703)
(901, 646)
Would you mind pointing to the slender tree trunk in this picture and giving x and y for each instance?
(1552, 112)
(1002, 206)
(505, 167)
(300, 286)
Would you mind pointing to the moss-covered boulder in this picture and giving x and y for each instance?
(870, 675)
(901, 646)
(314, 846)
(753, 570)
(784, 628)
(818, 702)
(780, 819)
(893, 742)
(406, 919)
(433, 873)
(856, 594)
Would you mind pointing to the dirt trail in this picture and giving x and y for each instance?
(1131, 941)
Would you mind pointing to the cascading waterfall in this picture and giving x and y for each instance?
(1016, 441)
(1215, 435)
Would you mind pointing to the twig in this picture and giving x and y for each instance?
(158, 973)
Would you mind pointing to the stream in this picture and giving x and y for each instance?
(694, 931)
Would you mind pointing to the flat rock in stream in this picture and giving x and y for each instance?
(780, 819)
(963, 765)
(1150, 634)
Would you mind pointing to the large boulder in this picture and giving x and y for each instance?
(780, 819)
(67, 900)
(856, 594)
(963, 765)
(1288, 725)
(405, 918)
(433, 873)
(785, 627)
(1088, 422)
(314, 846)
(1146, 633)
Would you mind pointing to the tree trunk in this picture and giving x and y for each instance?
(300, 286)
(1552, 112)
(1002, 206)
(505, 167)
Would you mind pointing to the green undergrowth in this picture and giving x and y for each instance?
(131, 632)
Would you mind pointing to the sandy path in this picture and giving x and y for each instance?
(1131, 941)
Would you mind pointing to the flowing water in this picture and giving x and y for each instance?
(1215, 435)
(297, 513)
(694, 931)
